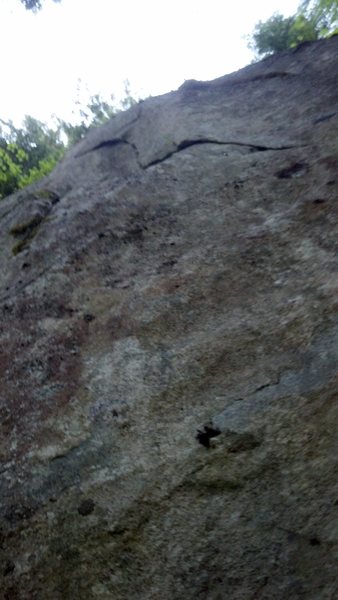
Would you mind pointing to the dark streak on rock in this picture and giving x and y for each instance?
(267, 385)
(291, 171)
(9, 567)
(324, 118)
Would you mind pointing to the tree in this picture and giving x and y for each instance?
(11, 159)
(34, 5)
(323, 12)
(27, 154)
(314, 19)
(279, 33)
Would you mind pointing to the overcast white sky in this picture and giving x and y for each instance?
(155, 44)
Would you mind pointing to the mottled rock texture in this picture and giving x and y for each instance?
(169, 349)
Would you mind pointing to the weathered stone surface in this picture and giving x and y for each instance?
(169, 349)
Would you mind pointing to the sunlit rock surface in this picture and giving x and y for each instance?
(169, 349)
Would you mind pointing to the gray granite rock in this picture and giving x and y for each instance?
(169, 349)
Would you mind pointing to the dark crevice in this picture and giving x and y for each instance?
(292, 170)
(117, 140)
(324, 118)
(267, 385)
(188, 143)
(104, 144)
(204, 435)
(258, 148)
(111, 144)
(107, 144)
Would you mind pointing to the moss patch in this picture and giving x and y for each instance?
(26, 227)
(25, 231)
(48, 195)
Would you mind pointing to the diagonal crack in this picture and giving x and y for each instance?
(267, 385)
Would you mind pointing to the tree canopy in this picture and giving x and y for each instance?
(34, 4)
(314, 19)
(27, 154)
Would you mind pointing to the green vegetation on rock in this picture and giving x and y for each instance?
(25, 232)
(313, 20)
(27, 154)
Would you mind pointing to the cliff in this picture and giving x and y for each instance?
(169, 349)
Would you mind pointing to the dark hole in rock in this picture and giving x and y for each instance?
(290, 171)
(314, 541)
(169, 263)
(86, 507)
(8, 567)
(204, 436)
(88, 317)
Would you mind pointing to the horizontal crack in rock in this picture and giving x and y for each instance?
(188, 143)
(182, 146)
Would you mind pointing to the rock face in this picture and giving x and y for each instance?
(169, 349)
